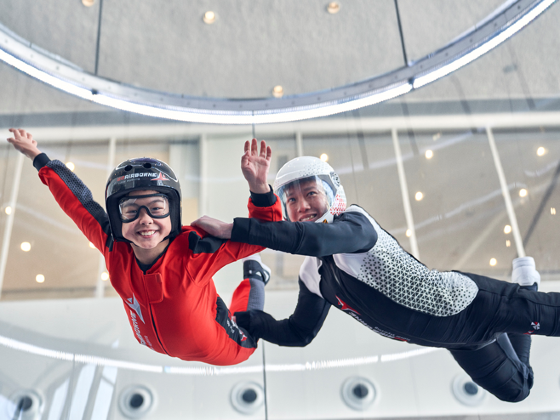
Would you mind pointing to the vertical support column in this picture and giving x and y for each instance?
(203, 199)
(404, 193)
(10, 220)
(505, 193)
(100, 284)
(299, 144)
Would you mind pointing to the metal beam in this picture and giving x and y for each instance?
(405, 196)
(506, 195)
(10, 219)
(100, 284)
(326, 126)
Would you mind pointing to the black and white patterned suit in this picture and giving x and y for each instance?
(356, 266)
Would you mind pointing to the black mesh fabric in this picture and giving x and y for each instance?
(83, 194)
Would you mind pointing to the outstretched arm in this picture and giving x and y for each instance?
(23, 142)
(350, 232)
(68, 190)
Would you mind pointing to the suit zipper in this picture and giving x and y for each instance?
(152, 316)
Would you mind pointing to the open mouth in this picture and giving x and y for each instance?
(308, 218)
(147, 233)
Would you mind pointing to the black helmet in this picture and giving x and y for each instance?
(142, 174)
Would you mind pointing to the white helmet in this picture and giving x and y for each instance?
(305, 167)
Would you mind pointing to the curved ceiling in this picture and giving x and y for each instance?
(251, 47)
(248, 49)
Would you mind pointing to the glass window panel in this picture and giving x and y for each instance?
(531, 168)
(460, 213)
(56, 243)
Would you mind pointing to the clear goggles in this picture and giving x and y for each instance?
(156, 205)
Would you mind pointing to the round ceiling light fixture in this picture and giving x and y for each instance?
(209, 17)
(247, 397)
(137, 401)
(26, 404)
(467, 392)
(88, 3)
(499, 26)
(333, 7)
(277, 91)
(358, 393)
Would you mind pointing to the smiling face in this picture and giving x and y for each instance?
(146, 232)
(306, 201)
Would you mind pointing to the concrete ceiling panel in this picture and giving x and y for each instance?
(251, 47)
(64, 28)
(430, 24)
(525, 66)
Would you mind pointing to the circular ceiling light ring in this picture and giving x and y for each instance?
(51, 69)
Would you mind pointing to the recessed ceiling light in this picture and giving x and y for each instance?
(104, 276)
(408, 233)
(8, 210)
(70, 166)
(91, 245)
(553, 210)
(324, 157)
(541, 151)
(507, 229)
(522, 192)
(493, 261)
(40, 278)
(209, 17)
(508, 243)
(419, 196)
(25, 246)
(277, 91)
(333, 7)
(429, 154)
(88, 3)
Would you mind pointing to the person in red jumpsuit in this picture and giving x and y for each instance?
(162, 270)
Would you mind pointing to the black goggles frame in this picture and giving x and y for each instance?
(129, 197)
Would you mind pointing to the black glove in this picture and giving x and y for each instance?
(251, 321)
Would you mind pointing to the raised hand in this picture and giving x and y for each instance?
(24, 143)
(255, 166)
